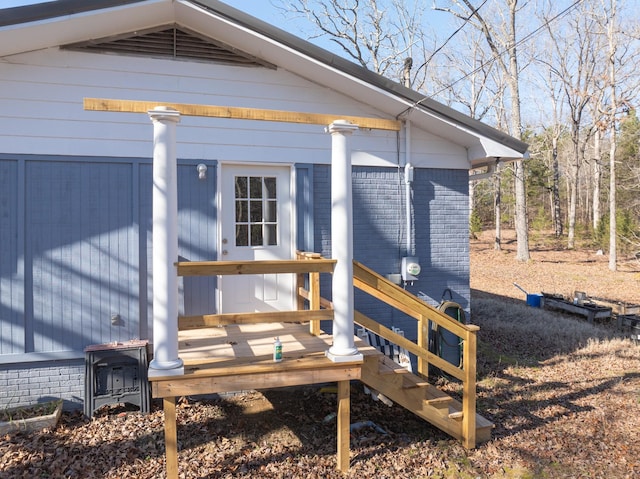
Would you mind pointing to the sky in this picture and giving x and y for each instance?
(258, 8)
(262, 9)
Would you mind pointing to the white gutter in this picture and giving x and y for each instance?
(408, 179)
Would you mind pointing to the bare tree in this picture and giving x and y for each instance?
(613, 45)
(479, 93)
(376, 34)
(573, 62)
(553, 132)
(621, 86)
(501, 37)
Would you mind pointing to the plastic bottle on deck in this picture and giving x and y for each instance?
(277, 350)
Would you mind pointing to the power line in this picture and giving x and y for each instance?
(518, 43)
(435, 52)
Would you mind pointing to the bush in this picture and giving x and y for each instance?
(475, 223)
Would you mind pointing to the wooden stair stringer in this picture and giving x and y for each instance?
(418, 396)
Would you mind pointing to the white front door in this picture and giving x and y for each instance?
(256, 224)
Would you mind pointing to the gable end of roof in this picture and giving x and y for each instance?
(411, 99)
(171, 41)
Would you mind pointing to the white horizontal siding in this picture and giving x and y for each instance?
(42, 93)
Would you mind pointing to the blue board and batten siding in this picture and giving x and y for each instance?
(440, 233)
(76, 244)
(76, 251)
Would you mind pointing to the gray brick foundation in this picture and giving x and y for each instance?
(29, 383)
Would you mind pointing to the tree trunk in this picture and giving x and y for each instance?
(597, 176)
(573, 187)
(497, 210)
(613, 259)
(613, 252)
(557, 214)
(522, 226)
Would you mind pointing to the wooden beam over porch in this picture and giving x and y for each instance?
(237, 113)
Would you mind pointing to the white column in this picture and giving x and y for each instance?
(165, 242)
(343, 348)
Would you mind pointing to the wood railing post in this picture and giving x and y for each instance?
(314, 296)
(314, 291)
(423, 342)
(170, 437)
(300, 284)
(469, 351)
(314, 301)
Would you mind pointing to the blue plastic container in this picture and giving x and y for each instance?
(534, 300)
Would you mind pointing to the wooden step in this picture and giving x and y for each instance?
(456, 415)
(439, 402)
(419, 396)
(387, 366)
(483, 425)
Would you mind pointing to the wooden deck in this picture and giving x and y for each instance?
(234, 352)
(240, 357)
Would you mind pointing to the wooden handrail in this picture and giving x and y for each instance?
(381, 288)
(384, 290)
(213, 268)
(382, 331)
(215, 320)
(311, 264)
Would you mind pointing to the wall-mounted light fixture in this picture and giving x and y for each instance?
(202, 171)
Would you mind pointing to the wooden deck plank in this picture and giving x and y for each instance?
(240, 356)
(249, 342)
(186, 385)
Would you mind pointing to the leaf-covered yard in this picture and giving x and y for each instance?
(564, 396)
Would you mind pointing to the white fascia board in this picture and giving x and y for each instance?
(487, 151)
(27, 37)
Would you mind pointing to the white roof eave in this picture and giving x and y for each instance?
(43, 34)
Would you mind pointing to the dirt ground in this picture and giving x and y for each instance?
(551, 269)
(564, 396)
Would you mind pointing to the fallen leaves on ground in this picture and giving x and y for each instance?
(565, 400)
